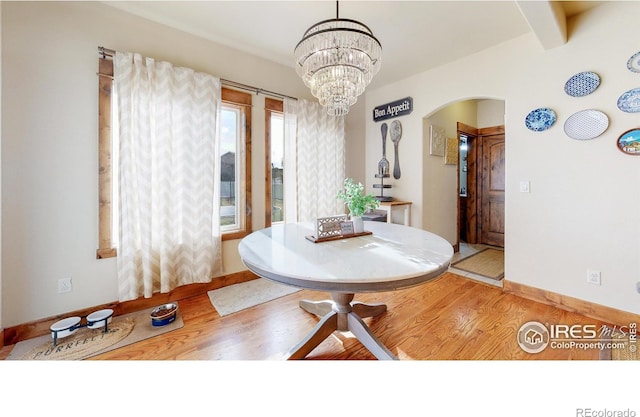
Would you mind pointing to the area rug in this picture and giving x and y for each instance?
(237, 297)
(488, 263)
(616, 345)
(84, 343)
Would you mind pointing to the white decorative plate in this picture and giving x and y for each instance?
(634, 62)
(582, 84)
(586, 124)
(629, 102)
(540, 119)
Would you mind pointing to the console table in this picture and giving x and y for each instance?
(389, 207)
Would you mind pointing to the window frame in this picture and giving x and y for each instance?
(270, 106)
(242, 101)
(105, 83)
(236, 98)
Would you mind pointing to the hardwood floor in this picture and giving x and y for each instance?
(449, 318)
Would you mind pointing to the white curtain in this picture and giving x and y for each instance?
(168, 176)
(317, 151)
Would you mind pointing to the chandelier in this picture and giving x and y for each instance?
(337, 59)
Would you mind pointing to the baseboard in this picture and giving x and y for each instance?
(15, 334)
(575, 305)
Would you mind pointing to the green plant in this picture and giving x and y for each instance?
(354, 198)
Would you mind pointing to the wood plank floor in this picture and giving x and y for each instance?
(449, 318)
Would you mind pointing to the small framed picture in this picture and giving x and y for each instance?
(438, 141)
(451, 152)
(346, 228)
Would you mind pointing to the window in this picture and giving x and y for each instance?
(274, 169)
(235, 164)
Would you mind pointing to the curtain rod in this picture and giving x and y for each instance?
(110, 53)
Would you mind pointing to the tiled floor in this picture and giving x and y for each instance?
(467, 250)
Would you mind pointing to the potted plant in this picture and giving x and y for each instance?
(357, 202)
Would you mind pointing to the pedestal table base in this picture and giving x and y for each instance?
(341, 315)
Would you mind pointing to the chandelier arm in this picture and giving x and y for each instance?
(336, 30)
(340, 65)
(369, 32)
(304, 58)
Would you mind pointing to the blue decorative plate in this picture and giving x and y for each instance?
(586, 124)
(540, 119)
(582, 84)
(629, 102)
(634, 62)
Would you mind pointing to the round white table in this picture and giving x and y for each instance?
(391, 258)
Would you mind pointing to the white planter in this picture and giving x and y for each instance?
(358, 224)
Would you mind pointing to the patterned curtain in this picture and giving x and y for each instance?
(319, 160)
(168, 174)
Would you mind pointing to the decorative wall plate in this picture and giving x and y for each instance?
(540, 119)
(629, 102)
(586, 124)
(582, 84)
(634, 62)
(629, 142)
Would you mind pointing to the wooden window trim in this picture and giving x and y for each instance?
(271, 106)
(105, 83)
(243, 100)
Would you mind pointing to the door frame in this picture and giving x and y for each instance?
(471, 229)
(474, 184)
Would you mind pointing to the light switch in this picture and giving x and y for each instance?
(524, 186)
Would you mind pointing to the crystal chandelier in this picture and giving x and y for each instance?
(337, 59)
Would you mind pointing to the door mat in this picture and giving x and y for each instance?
(617, 345)
(488, 263)
(237, 297)
(85, 343)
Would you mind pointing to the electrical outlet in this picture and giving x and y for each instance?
(525, 186)
(64, 285)
(593, 277)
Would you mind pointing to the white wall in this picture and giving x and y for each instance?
(490, 113)
(579, 213)
(49, 144)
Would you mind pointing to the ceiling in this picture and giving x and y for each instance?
(415, 35)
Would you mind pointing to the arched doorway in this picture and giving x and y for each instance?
(463, 197)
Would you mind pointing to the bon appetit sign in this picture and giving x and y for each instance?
(396, 108)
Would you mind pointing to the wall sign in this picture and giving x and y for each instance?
(396, 108)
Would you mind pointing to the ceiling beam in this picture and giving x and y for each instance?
(547, 21)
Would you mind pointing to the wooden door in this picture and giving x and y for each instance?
(492, 189)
